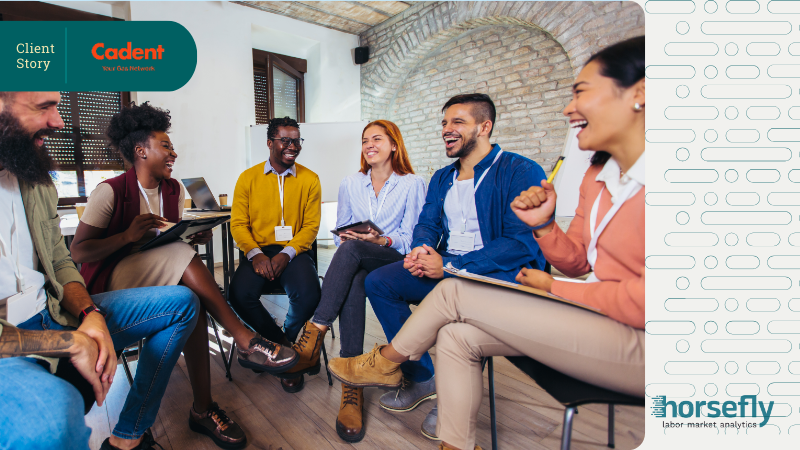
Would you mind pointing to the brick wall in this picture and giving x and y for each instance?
(523, 54)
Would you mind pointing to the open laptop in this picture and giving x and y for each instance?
(202, 196)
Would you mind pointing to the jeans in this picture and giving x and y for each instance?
(343, 291)
(164, 315)
(300, 282)
(390, 290)
(40, 410)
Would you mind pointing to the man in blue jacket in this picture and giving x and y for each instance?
(468, 228)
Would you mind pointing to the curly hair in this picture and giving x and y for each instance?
(274, 123)
(133, 125)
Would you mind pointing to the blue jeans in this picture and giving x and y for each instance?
(165, 315)
(390, 289)
(40, 410)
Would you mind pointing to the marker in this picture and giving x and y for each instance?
(555, 170)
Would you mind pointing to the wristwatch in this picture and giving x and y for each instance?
(89, 309)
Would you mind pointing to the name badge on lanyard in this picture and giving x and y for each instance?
(282, 232)
(461, 240)
(22, 305)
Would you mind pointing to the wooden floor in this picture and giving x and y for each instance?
(527, 417)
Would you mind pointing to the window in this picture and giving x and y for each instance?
(81, 148)
(278, 84)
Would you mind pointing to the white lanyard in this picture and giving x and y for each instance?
(380, 203)
(146, 199)
(5, 248)
(280, 192)
(628, 191)
(454, 189)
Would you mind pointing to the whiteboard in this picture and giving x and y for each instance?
(569, 177)
(331, 150)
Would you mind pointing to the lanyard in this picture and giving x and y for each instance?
(380, 203)
(281, 179)
(147, 200)
(628, 191)
(5, 248)
(455, 191)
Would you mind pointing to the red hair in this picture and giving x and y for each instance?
(401, 165)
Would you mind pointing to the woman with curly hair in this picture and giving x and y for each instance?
(124, 213)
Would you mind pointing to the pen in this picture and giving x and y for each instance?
(555, 170)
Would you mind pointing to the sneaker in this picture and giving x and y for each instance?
(350, 421)
(367, 370)
(266, 356)
(409, 395)
(148, 443)
(219, 427)
(428, 428)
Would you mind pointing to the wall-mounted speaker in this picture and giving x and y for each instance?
(362, 55)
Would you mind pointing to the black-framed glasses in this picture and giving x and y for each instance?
(286, 141)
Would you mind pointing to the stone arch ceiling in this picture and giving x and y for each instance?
(581, 28)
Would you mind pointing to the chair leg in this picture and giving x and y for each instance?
(333, 334)
(127, 369)
(492, 409)
(221, 349)
(611, 425)
(566, 433)
(325, 357)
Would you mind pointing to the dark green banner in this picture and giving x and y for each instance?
(95, 56)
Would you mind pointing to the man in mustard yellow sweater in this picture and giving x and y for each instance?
(275, 219)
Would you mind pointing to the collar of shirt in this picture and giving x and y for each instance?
(367, 179)
(290, 171)
(614, 183)
(484, 164)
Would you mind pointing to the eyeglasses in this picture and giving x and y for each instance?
(286, 141)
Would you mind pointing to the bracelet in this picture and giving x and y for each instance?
(388, 241)
(549, 221)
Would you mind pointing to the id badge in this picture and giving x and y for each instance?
(22, 306)
(283, 233)
(464, 242)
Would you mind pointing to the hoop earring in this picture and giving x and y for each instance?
(637, 107)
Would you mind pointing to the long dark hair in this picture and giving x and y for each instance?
(624, 63)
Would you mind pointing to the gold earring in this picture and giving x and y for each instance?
(637, 107)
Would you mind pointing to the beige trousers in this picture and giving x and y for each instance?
(468, 320)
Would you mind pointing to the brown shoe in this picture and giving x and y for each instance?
(350, 422)
(444, 447)
(293, 385)
(307, 348)
(368, 370)
(267, 356)
(220, 428)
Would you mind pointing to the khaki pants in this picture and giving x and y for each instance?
(469, 320)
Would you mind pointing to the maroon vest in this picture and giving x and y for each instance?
(126, 208)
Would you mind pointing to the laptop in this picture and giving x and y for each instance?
(202, 196)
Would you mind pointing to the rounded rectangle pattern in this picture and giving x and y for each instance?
(784, 198)
(783, 388)
(794, 304)
(669, 136)
(742, 262)
(763, 175)
(691, 112)
(794, 176)
(669, 198)
(691, 49)
(684, 239)
(740, 389)
(765, 283)
(746, 28)
(763, 49)
(763, 367)
(742, 6)
(763, 304)
(746, 346)
(746, 154)
(691, 367)
(746, 218)
(691, 175)
(763, 239)
(669, 6)
(784, 262)
(670, 72)
(784, 7)
(763, 112)
(742, 198)
(784, 71)
(794, 113)
(672, 327)
(742, 136)
(784, 327)
(669, 262)
(742, 327)
(691, 304)
(784, 134)
(742, 72)
(746, 91)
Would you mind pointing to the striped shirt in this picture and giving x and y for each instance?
(395, 210)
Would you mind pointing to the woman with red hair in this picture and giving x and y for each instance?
(387, 192)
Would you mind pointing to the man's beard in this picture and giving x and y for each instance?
(19, 153)
(468, 146)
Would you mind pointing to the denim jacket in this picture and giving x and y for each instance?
(508, 243)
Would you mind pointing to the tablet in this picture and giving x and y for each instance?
(358, 227)
(183, 229)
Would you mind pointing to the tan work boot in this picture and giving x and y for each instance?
(307, 347)
(444, 447)
(350, 422)
(368, 370)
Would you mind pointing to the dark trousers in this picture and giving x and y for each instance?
(300, 282)
(343, 291)
(390, 290)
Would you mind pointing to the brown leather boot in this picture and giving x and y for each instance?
(444, 447)
(350, 422)
(367, 370)
(307, 347)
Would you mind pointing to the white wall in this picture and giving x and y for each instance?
(212, 112)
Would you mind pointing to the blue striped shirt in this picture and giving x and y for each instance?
(401, 197)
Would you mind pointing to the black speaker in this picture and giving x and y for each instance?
(362, 55)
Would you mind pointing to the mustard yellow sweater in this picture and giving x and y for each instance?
(256, 208)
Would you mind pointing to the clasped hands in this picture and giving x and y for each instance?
(93, 355)
(270, 268)
(424, 262)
